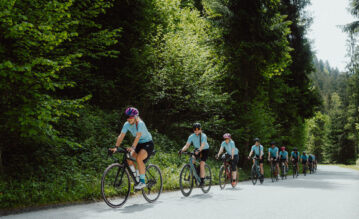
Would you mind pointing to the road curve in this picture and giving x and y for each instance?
(333, 192)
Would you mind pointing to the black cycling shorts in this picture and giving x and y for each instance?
(234, 162)
(147, 146)
(203, 155)
(295, 160)
(259, 160)
(304, 162)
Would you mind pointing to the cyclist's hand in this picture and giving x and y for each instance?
(216, 156)
(130, 149)
(113, 150)
(196, 152)
(180, 152)
(249, 157)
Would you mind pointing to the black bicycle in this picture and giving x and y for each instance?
(295, 169)
(255, 171)
(283, 170)
(311, 167)
(273, 170)
(225, 172)
(305, 169)
(190, 175)
(116, 183)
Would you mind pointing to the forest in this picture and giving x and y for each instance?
(70, 68)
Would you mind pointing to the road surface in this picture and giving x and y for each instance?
(333, 192)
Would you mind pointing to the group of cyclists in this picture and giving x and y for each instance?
(142, 148)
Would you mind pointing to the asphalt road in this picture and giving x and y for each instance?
(333, 192)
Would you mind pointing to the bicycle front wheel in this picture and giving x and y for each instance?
(115, 185)
(207, 179)
(154, 185)
(272, 175)
(254, 175)
(186, 180)
(223, 178)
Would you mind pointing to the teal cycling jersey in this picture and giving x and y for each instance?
(283, 154)
(295, 155)
(194, 139)
(134, 129)
(273, 152)
(311, 157)
(229, 147)
(304, 157)
(257, 149)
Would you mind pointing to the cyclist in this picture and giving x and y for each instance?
(283, 156)
(294, 156)
(142, 146)
(273, 155)
(230, 147)
(311, 161)
(304, 159)
(199, 140)
(257, 148)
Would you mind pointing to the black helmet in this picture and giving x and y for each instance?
(272, 143)
(196, 125)
(295, 149)
(256, 139)
(304, 152)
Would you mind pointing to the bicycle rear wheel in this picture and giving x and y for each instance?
(115, 185)
(254, 175)
(154, 183)
(186, 180)
(207, 179)
(223, 178)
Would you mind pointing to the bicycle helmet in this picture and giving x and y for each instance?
(196, 125)
(295, 149)
(256, 139)
(131, 111)
(227, 136)
(272, 143)
(282, 148)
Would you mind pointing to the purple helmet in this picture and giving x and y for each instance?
(131, 111)
(227, 135)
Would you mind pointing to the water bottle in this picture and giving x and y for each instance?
(137, 174)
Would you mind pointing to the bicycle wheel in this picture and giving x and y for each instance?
(186, 180)
(272, 175)
(223, 178)
(305, 170)
(154, 183)
(207, 179)
(115, 185)
(254, 175)
(294, 171)
(282, 171)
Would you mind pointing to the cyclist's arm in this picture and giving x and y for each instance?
(135, 142)
(120, 139)
(232, 153)
(220, 151)
(250, 154)
(186, 146)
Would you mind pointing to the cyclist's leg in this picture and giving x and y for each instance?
(261, 166)
(203, 157)
(142, 155)
(234, 167)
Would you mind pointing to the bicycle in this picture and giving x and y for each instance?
(116, 183)
(295, 170)
(190, 174)
(304, 169)
(273, 170)
(255, 171)
(225, 172)
(310, 167)
(283, 170)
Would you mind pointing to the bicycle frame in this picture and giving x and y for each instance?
(126, 156)
(193, 169)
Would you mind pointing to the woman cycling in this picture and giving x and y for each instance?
(230, 147)
(199, 140)
(142, 147)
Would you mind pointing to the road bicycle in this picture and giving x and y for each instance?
(273, 170)
(255, 171)
(190, 175)
(294, 168)
(311, 167)
(116, 183)
(305, 169)
(225, 172)
(283, 170)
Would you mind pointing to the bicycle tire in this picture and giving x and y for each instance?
(207, 180)
(154, 183)
(109, 190)
(222, 178)
(186, 175)
(254, 175)
(272, 175)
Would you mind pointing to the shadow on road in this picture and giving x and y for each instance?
(138, 207)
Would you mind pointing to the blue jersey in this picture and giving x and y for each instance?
(273, 152)
(141, 127)
(304, 157)
(229, 147)
(194, 139)
(311, 157)
(295, 155)
(258, 150)
(283, 154)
